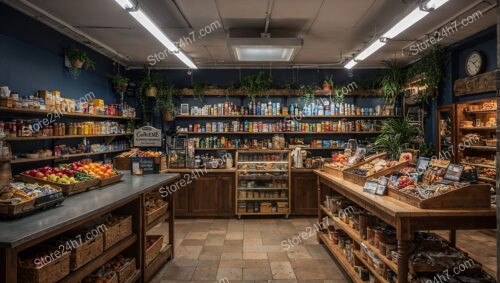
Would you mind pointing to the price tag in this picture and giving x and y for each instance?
(453, 172)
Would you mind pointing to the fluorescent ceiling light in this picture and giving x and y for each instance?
(415, 16)
(376, 45)
(125, 4)
(144, 20)
(434, 4)
(153, 29)
(263, 53)
(264, 49)
(351, 64)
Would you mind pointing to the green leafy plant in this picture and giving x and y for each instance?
(78, 59)
(199, 90)
(307, 93)
(257, 85)
(396, 136)
(289, 86)
(165, 101)
(147, 86)
(337, 96)
(392, 81)
(328, 83)
(120, 83)
(428, 72)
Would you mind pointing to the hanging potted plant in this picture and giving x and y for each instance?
(165, 102)
(120, 83)
(199, 90)
(79, 58)
(328, 83)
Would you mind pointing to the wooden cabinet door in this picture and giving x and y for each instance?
(204, 195)
(181, 200)
(225, 191)
(304, 194)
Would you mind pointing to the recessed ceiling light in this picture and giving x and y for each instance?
(264, 49)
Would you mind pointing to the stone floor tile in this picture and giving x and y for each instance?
(174, 272)
(205, 273)
(234, 236)
(196, 236)
(282, 270)
(277, 256)
(252, 273)
(317, 252)
(230, 273)
(254, 255)
(189, 242)
(230, 256)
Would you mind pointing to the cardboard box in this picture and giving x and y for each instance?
(47, 96)
(97, 102)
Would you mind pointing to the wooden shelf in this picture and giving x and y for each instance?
(263, 161)
(135, 277)
(489, 180)
(287, 116)
(479, 165)
(341, 259)
(279, 92)
(379, 277)
(357, 238)
(261, 199)
(62, 114)
(478, 128)
(278, 133)
(108, 254)
(482, 147)
(480, 111)
(27, 160)
(260, 189)
(262, 213)
(62, 137)
(160, 219)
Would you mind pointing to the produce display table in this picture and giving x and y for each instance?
(405, 218)
(127, 197)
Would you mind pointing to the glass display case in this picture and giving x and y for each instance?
(262, 182)
(476, 140)
(446, 132)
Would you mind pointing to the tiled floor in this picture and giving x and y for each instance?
(247, 250)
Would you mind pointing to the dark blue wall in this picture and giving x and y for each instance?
(32, 58)
(485, 42)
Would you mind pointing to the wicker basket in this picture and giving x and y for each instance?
(150, 217)
(86, 252)
(126, 271)
(154, 250)
(94, 277)
(50, 272)
(119, 231)
(14, 209)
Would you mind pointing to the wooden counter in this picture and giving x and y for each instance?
(212, 194)
(127, 197)
(405, 218)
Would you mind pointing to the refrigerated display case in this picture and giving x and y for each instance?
(263, 182)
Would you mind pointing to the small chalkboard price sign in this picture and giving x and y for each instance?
(144, 165)
(147, 136)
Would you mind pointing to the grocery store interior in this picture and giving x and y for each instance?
(231, 141)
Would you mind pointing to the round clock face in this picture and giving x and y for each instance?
(474, 63)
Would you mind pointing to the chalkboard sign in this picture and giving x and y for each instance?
(144, 165)
(453, 172)
(147, 136)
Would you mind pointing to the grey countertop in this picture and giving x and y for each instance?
(78, 207)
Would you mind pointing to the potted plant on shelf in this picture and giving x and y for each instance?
(396, 136)
(165, 101)
(199, 90)
(392, 83)
(120, 83)
(257, 85)
(78, 58)
(328, 83)
(307, 93)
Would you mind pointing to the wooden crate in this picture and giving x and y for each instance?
(361, 180)
(119, 231)
(153, 215)
(86, 252)
(328, 168)
(122, 163)
(68, 189)
(471, 196)
(126, 271)
(154, 250)
(50, 272)
(18, 208)
(110, 180)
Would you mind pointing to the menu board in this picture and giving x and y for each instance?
(147, 136)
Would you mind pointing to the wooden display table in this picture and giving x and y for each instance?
(406, 219)
(126, 197)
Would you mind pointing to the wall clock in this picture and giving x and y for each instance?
(474, 64)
